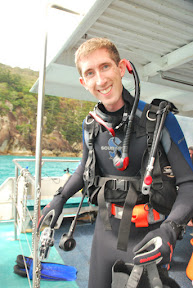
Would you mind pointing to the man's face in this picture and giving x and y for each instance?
(103, 78)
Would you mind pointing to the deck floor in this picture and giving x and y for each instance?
(9, 250)
(83, 236)
(79, 257)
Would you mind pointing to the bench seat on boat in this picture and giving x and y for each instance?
(69, 210)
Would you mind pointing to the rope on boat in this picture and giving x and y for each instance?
(24, 261)
(20, 204)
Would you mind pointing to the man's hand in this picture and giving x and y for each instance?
(52, 211)
(157, 246)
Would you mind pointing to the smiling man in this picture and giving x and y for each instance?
(126, 225)
(103, 78)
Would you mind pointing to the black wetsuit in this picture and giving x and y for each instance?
(104, 249)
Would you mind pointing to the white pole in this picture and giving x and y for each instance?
(38, 156)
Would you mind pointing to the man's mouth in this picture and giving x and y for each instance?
(105, 91)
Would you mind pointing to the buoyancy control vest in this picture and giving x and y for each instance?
(127, 191)
(163, 190)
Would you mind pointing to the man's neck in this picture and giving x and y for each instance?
(115, 107)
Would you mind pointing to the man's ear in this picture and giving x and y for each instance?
(122, 67)
(83, 83)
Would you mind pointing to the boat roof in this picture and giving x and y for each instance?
(155, 35)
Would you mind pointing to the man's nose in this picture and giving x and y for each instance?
(100, 79)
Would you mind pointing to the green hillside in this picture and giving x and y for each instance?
(60, 114)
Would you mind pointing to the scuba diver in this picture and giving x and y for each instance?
(115, 144)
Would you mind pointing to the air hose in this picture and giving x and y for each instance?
(121, 160)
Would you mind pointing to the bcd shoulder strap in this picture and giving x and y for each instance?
(163, 190)
(91, 127)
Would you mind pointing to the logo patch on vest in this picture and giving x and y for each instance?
(114, 145)
(167, 170)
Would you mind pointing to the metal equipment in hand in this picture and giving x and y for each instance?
(67, 242)
(47, 241)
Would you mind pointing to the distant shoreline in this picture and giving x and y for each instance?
(44, 154)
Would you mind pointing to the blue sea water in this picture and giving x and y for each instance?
(49, 169)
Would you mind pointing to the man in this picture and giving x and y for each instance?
(101, 71)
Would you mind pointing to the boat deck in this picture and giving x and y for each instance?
(79, 257)
(83, 235)
(10, 249)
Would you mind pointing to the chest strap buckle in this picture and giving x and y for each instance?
(120, 184)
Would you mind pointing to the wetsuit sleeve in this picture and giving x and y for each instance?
(75, 182)
(177, 152)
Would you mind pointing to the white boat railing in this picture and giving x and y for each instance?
(6, 195)
(23, 190)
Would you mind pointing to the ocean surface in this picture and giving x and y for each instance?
(49, 169)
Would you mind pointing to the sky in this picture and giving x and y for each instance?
(23, 24)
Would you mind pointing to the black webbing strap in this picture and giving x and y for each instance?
(148, 117)
(130, 201)
(89, 172)
(157, 179)
(125, 224)
(103, 211)
(150, 124)
(92, 128)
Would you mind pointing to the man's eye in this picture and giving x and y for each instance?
(106, 66)
(89, 74)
